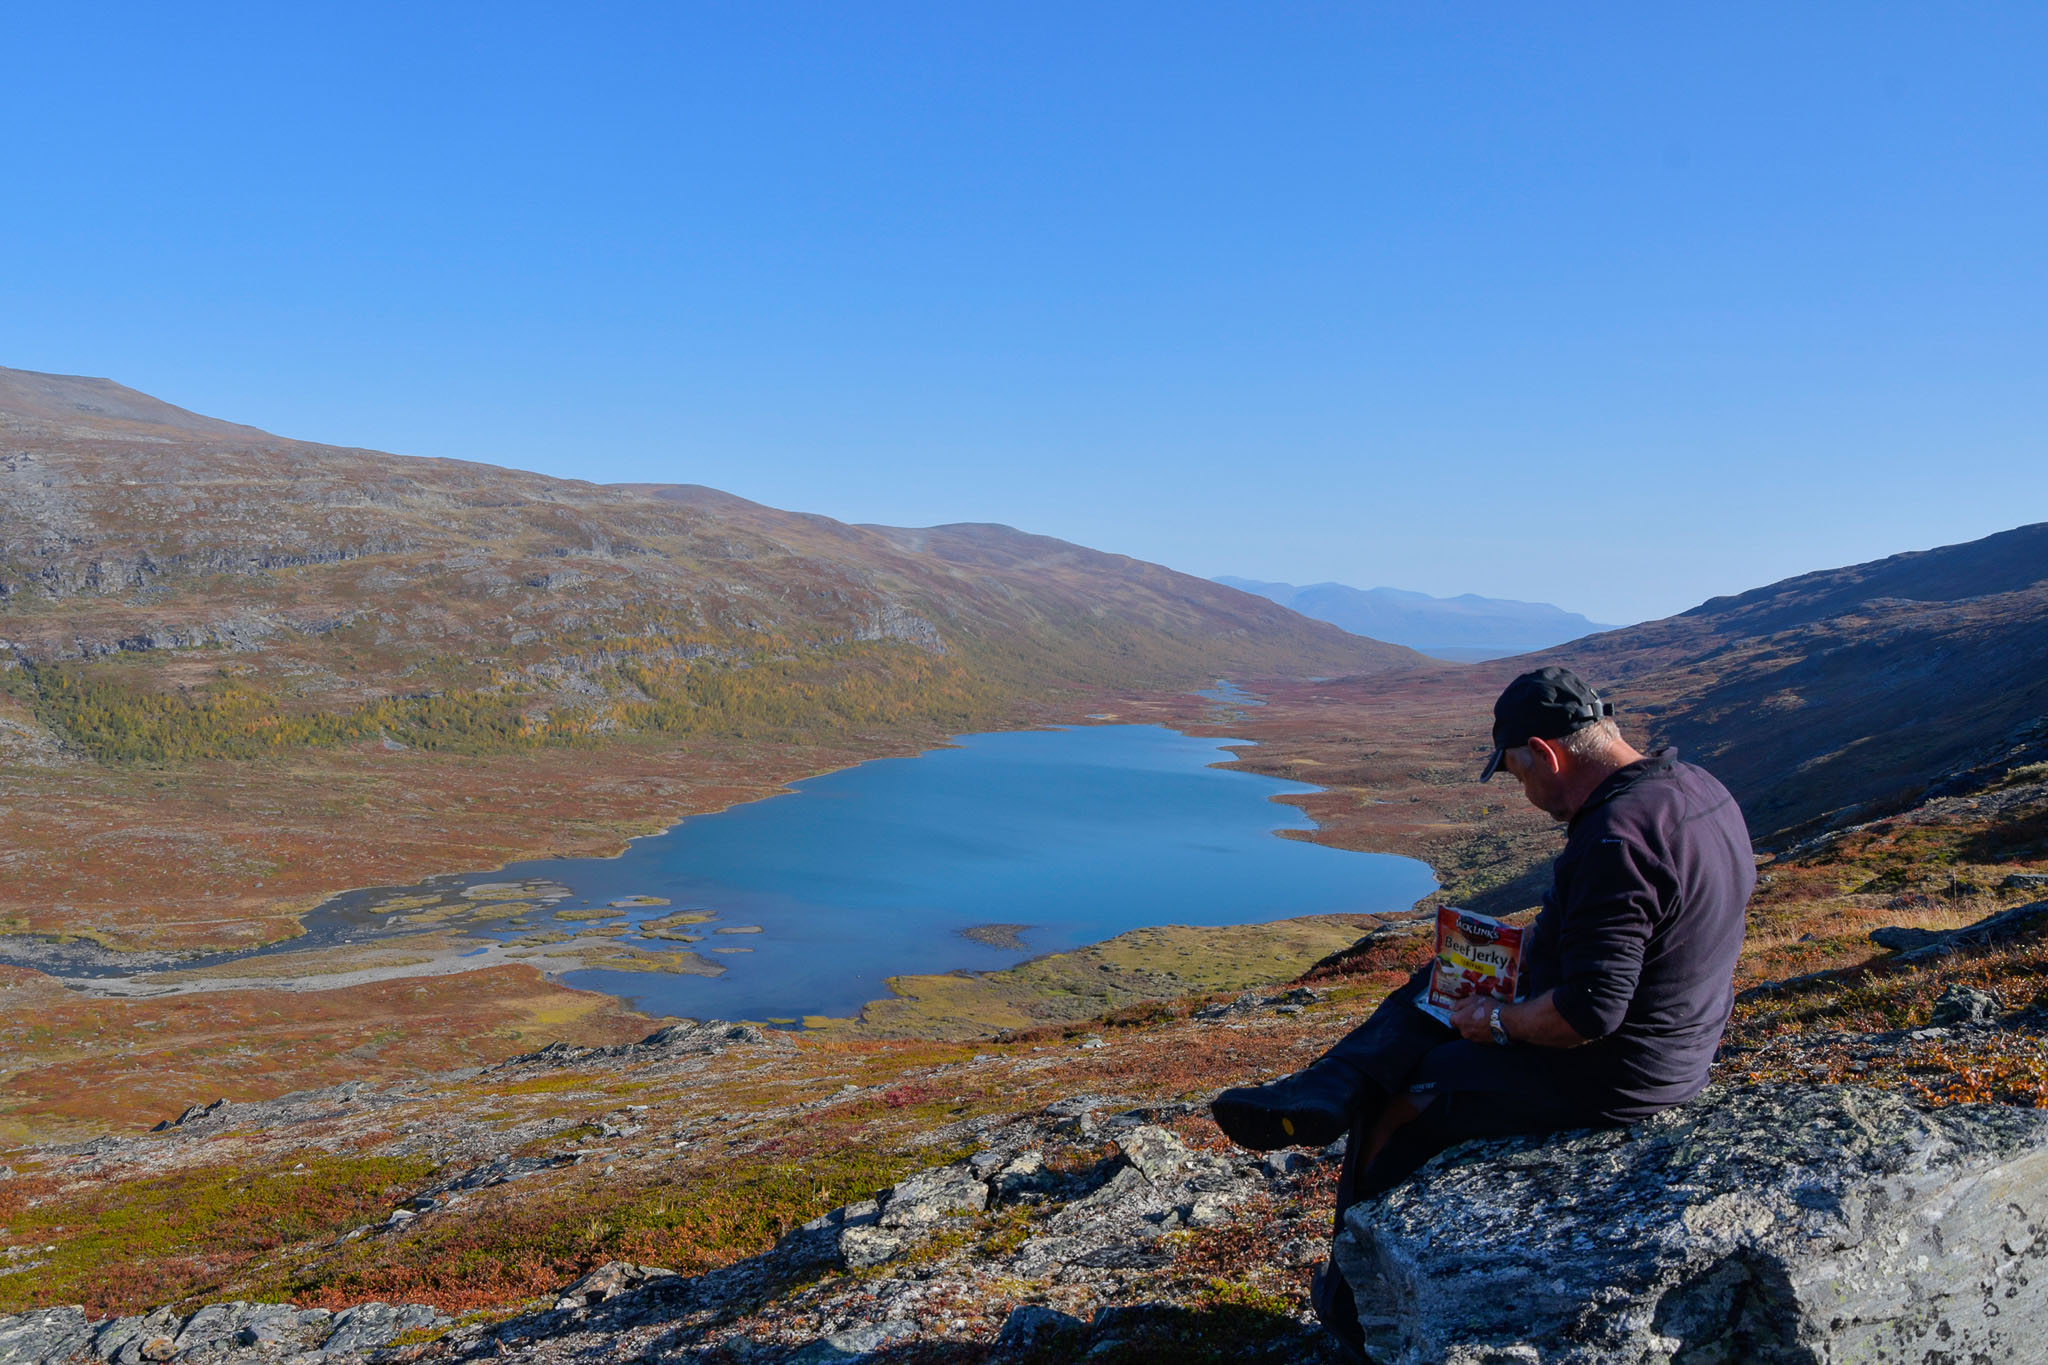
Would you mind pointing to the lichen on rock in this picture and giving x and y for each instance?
(1756, 1224)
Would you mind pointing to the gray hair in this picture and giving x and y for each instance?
(1591, 741)
(1583, 745)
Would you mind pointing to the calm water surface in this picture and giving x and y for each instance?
(977, 856)
(875, 871)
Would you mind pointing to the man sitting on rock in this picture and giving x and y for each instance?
(1628, 971)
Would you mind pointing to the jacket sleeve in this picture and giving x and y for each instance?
(1608, 914)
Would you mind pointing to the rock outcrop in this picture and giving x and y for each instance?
(690, 1038)
(219, 1332)
(918, 1251)
(1757, 1225)
(1919, 945)
(608, 1281)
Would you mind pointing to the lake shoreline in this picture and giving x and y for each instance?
(380, 955)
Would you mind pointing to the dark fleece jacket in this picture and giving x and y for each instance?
(1640, 930)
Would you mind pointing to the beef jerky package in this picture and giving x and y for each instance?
(1475, 955)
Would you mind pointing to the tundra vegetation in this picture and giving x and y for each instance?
(720, 1163)
(241, 673)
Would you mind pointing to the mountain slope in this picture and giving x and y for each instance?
(1466, 627)
(361, 669)
(1836, 695)
(1824, 701)
(339, 580)
(1003, 588)
(74, 403)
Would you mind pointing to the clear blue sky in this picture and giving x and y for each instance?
(1617, 306)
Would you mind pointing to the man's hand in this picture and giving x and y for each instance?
(1527, 1021)
(1471, 1018)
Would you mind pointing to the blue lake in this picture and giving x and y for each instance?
(973, 857)
(1069, 836)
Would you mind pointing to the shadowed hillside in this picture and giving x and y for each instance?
(1823, 701)
(1838, 695)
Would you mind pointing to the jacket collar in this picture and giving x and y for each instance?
(1656, 763)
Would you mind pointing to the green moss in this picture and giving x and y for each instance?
(1242, 1294)
(1124, 977)
(128, 1247)
(550, 1237)
(545, 1085)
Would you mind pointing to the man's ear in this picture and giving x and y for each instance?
(1547, 754)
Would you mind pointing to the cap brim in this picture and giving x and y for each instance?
(1492, 765)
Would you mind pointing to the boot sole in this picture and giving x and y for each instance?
(1256, 1127)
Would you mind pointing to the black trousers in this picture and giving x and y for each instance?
(1473, 1090)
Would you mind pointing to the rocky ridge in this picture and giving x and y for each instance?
(1761, 1224)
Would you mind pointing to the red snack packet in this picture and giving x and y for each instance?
(1475, 955)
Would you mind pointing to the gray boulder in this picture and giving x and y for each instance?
(875, 1231)
(1159, 1156)
(1023, 1177)
(1962, 1005)
(863, 1244)
(368, 1326)
(280, 1326)
(225, 1331)
(847, 1235)
(1757, 1225)
(1921, 945)
(928, 1196)
(212, 1329)
(123, 1340)
(608, 1281)
(43, 1334)
(1033, 1325)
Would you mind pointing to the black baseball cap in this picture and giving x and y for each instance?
(1549, 703)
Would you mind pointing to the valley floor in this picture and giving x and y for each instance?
(453, 1175)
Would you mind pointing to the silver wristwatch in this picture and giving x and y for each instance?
(1500, 1033)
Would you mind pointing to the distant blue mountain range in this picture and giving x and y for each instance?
(1466, 628)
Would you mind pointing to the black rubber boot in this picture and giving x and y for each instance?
(1311, 1108)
